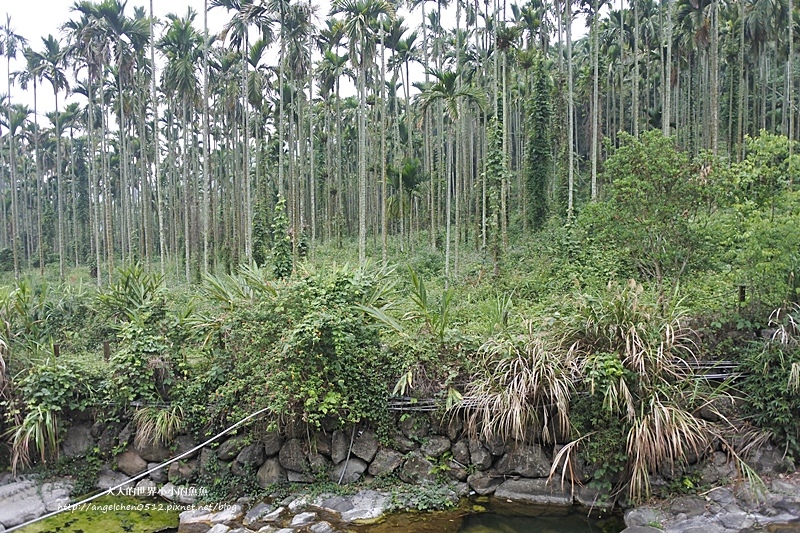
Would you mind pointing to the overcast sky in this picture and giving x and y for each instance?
(34, 19)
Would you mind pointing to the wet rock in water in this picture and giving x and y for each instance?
(367, 505)
(303, 519)
(348, 471)
(261, 515)
(416, 468)
(435, 446)
(534, 491)
(386, 461)
(365, 445)
(321, 527)
(484, 482)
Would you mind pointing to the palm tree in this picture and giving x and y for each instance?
(182, 46)
(53, 63)
(32, 74)
(360, 16)
(446, 89)
(10, 43)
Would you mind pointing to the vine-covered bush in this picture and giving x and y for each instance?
(307, 352)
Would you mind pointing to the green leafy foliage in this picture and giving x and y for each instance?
(770, 385)
(307, 352)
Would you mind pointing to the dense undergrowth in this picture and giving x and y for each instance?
(582, 333)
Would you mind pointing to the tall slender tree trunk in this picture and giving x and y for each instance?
(714, 115)
(666, 116)
(206, 140)
(635, 104)
(595, 94)
(570, 116)
(362, 163)
(60, 185)
(156, 156)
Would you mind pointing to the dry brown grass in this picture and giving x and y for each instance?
(524, 389)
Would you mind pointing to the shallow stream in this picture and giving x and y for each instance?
(484, 515)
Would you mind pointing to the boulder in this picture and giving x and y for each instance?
(152, 452)
(299, 477)
(403, 444)
(340, 444)
(271, 472)
(415, 427)
(229, 449)
(385, 462)
(180, 472)
(460, 451)
(688, 505)
(318, 463)
(160, 475)
(416, 468)
(368, 505)
(252, 456)
(641, 529)
(272, 443)
(537, 491)
(130, 464)
(261, 515)
(108, 437)
(108, 478)
(348, 471)
(479, 456)
(321, 527)
(495, 445)
(524, 460)
(78, 440)
(484, 482)
(184, 495)
(435, 446)
(322, 444)
(184, 443)
(303, 519)
(365, 445)
(293, 456)
(643, 516)
(456, 471)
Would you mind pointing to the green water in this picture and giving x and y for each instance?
(111, 514)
